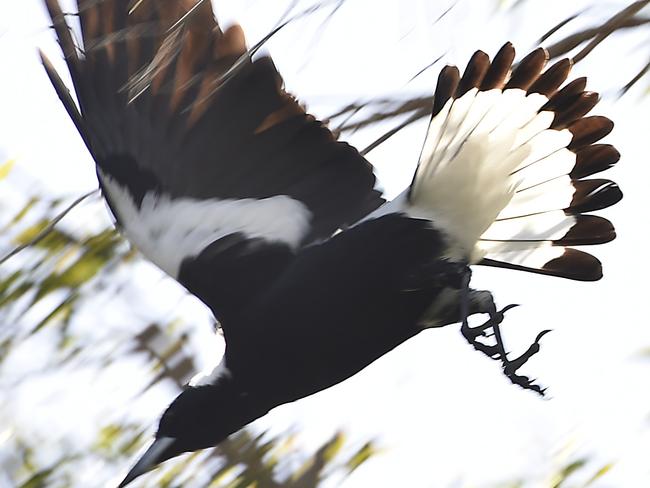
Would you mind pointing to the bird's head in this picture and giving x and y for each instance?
(200, 417)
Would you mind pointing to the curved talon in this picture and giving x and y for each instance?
(542, 334)
(512, 366)
(509, 307)
(500, 315)
(498, 351)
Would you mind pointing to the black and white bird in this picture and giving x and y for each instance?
(223, 180)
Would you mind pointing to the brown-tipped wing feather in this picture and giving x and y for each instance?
(552, 149)
(171, 104)
(499, 68)
(211, 169)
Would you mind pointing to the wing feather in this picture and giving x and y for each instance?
(199, 148)
(504, 163)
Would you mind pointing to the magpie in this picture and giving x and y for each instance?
(224, 181)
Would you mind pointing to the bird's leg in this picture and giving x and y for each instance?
(447, 311)
(485, 303)
(498, 351)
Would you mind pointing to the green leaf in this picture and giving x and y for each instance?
(220, 476)
(567, 471)
(6, 167)
(30, 233)
(82, 271)
(39, 479)
(599, 474)
(17, 293)
(7, 283)
(108, 437)
(22, 212)
(62, 312)
(361, 456)
(333, 446)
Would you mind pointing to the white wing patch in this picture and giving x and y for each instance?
(479, 151)
(167, 231)
(548, 226)
(522, 255)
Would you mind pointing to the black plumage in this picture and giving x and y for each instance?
(228, 184)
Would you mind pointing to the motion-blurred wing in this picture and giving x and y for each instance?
(200, 152)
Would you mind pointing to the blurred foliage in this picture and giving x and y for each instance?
(564, 476)
(45, 289)
(576, 45)
(5, 168)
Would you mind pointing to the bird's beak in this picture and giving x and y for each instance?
(156, 454)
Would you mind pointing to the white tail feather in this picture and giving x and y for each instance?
(467, 178)
(500, 176)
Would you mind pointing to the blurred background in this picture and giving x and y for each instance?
(95, 342)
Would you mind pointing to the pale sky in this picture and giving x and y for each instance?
(444, 414)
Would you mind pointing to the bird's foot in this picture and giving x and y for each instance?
(510, 367)
(473, 333)
(486, 330)
(497, 350)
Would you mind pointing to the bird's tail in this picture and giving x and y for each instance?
(504, 167)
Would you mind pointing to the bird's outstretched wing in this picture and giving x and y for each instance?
(208, 165)
(506, 164)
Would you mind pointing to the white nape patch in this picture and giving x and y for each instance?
(212, 377)
(167, 231)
